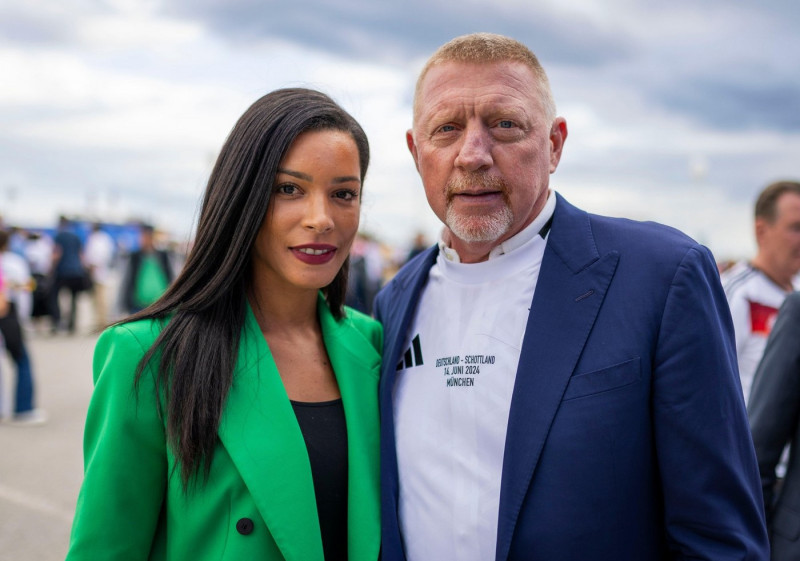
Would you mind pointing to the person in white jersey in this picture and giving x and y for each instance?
(99, 256)
(756, 289)
(556, 385)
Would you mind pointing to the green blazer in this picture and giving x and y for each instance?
(132, 505)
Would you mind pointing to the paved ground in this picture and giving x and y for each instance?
(41, 467)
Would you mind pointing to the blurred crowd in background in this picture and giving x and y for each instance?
(121, 268)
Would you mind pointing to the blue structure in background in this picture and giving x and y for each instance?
(125, 236)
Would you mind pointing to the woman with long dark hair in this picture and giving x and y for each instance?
(236, 417)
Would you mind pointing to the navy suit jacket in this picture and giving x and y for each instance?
(627, 436)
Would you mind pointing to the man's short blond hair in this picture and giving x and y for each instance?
(479, 48)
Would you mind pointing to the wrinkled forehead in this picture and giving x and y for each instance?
(448, 86)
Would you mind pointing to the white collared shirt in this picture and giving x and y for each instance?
(453, 394)
(525, 235)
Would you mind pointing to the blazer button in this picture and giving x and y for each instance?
(245, 526)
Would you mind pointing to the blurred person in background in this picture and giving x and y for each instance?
(17, 240)
(16, 280)
(98, 257)
(755, 289)
(39, 254)
(68, 273)
(147, 275)
(774, 411)
(365, 277)
(19, 281)
(419, 245)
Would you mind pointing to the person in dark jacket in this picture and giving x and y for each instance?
(68, 272)
(148, 276)
(774, 410)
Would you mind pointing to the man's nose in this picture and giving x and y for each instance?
(318, 214)
(476, 149)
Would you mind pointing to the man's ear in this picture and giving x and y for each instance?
(412, 147)
(760, 227)
(558, 136)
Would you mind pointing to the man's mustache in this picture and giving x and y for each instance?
(475, 182)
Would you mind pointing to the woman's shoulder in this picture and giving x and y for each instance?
(367, 325)
(360, 320)
(140, 333)
(118, 352)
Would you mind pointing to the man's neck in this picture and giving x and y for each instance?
(780, 278)
(468, 252)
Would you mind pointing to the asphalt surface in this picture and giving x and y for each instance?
(41, 467)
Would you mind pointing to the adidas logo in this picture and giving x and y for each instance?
(410, 359)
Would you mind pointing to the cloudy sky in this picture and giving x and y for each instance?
(678, 112)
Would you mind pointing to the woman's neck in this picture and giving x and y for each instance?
(284, 312)
(290, 326)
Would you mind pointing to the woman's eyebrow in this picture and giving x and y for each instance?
(297, 174)
(306, 177)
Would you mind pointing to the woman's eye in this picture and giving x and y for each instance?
(286, 189)
(346, 194)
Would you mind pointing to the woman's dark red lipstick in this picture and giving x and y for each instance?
(314, 254)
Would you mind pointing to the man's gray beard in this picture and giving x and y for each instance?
(479, 228)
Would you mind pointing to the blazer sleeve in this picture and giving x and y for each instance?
(125, 461)
(709, 477)
(774, 406)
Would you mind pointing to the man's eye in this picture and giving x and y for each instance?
(505, 124)
(447, 128)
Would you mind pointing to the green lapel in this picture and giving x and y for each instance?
(260, 432)
(357, 364)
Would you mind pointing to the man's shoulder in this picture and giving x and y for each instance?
(639, 233)
(744, 282)
(738, 276)
(625, 235)
(642, 245)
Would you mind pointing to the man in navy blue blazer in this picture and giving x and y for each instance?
(556, 385)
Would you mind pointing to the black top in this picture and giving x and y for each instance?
(325, 433)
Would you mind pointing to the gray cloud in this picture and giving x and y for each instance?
(691, 65)
(730, 105)
(27, 29)
(400, 31)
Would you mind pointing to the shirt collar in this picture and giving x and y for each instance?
(540, 225)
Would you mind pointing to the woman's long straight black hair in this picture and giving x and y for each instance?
(204, 309)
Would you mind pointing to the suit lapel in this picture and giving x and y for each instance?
(357, 366)
(260, 433)
(396, 325)
(572, 283)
